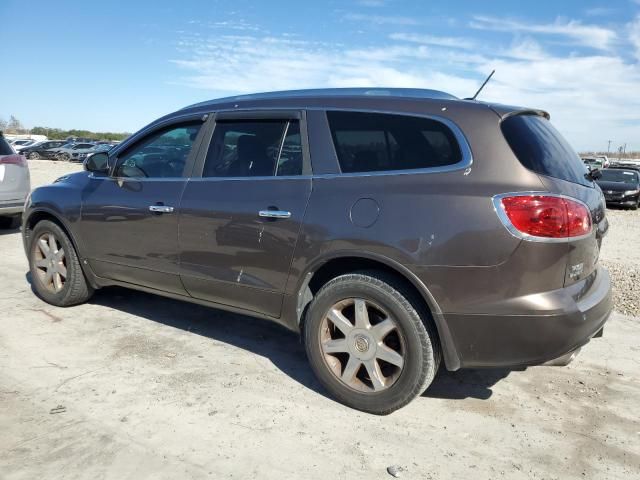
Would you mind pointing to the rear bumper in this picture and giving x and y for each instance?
(11, 208)
(560, 322)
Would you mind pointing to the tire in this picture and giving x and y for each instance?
(74, 289)
(34, 156)
(10, 223)
(413, 339)
(64, 157)
(635, 207)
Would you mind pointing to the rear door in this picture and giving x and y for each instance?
(130, 219)
(241, 213)
(541, 148)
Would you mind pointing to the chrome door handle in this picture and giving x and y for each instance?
(274, 214)
(160, 209)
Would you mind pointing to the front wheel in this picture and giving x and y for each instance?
(34, 156)
(56, 274)
(368, 344)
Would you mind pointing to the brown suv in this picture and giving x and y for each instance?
(392, 228)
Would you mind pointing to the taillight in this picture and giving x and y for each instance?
(543, 216)
(13, 160)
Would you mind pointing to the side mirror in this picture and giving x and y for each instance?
(97, 163)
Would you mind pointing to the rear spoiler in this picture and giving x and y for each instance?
(506, 111)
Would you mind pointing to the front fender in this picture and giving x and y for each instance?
(61, 201)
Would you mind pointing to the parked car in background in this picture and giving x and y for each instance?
(15, 185)
(66, 152)
(604, 159)
(22, 143)
(81, 155)
(621, 186)
(592, 163)
(353, 216)
(44, 150)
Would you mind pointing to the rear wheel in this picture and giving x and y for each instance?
(367, 342)
(56, 274)
(34, 156)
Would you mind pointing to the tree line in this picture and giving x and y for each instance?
(14, 126)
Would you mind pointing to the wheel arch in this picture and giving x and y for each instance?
(326, 268)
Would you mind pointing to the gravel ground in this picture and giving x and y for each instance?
(135, 386)
(621, 255)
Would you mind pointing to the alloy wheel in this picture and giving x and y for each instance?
(362, 345)
(50, 262)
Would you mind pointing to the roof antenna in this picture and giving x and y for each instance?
(482, 86)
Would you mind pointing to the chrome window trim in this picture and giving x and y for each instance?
(465, 149)
(502, 215)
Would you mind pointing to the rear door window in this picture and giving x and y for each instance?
(254, 148)
(375, 142)
(542, 149)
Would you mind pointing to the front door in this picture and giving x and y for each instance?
(239, 222)
(130, 219)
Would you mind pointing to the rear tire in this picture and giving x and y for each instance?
(385, 356)
(34, 156)
(56, 274)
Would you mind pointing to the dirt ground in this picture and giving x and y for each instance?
(154, 388)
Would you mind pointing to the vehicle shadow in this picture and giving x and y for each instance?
(262, 337)
(471, 383)
(9, 231)
(272, 341)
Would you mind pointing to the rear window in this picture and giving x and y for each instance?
(541, 148)
(5, 149)
(374, 142)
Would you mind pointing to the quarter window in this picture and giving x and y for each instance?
(163, 154)
(370, 142)
(252, 148)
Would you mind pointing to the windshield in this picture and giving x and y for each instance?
(624, 176)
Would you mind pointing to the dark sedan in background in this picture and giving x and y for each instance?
(42, 149)
(620, 187)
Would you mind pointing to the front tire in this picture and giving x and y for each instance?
(56, 275)
(368, 344)
(34, 156)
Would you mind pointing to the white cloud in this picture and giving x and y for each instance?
(593, 36)
(599, 11)
(372, 3)
(634, 36)
(380, 19)
(453, 42)
(592, 98)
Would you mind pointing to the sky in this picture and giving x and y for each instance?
(116, 66)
